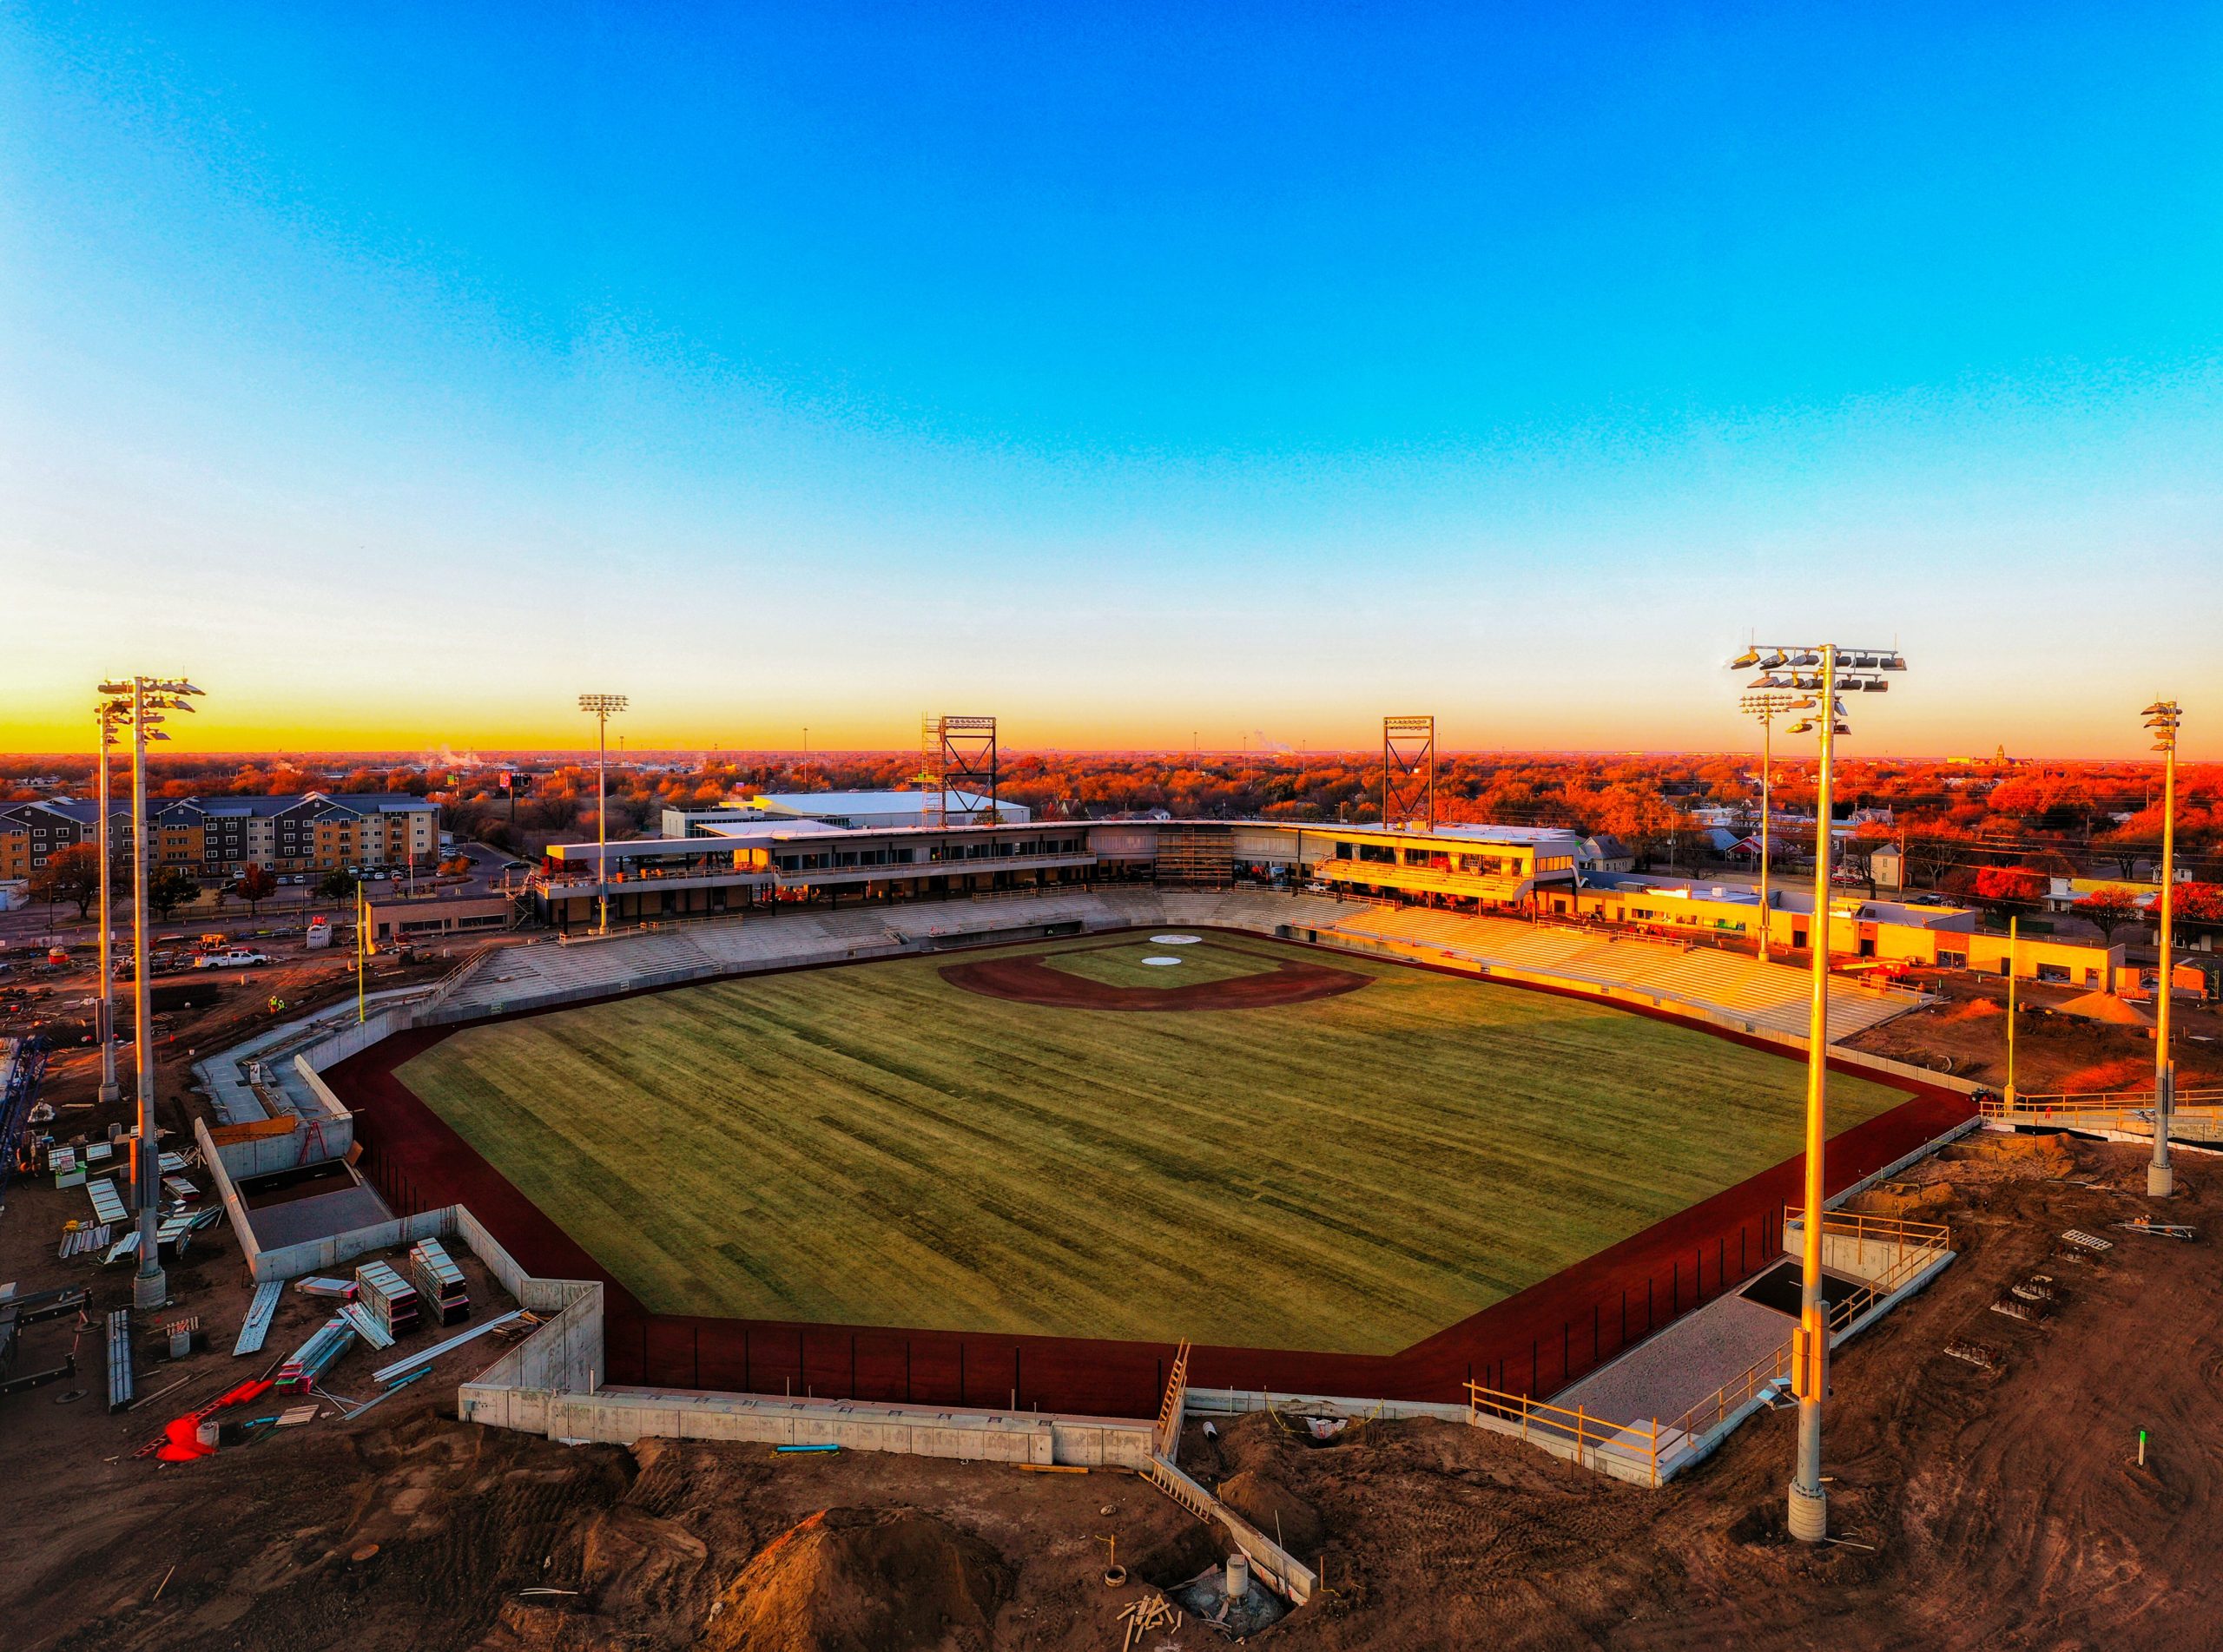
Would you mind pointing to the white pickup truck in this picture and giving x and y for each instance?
(234, 959)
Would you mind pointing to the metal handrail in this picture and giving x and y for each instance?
(1584, 1428)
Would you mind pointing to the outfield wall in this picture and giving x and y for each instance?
(1535, 1342)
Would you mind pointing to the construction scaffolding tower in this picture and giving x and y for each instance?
(1409, 772)
(959, 754)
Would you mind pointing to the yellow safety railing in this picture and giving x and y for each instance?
(1545, 1424)
(1714, 1409)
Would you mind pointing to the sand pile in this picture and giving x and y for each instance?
(864, 1580)
(2105, 1006)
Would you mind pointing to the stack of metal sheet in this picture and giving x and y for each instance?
(79, 1241)
(306, 1363)
(390, 1299)
(440, 1282)
(119, 1358)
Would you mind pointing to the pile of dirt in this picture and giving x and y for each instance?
(863, 1580)
(1259, 1496)
(1905, 1200)
(2040, 1156)
(1974, 1010)
(2126, 1072)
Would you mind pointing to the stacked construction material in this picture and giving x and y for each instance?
(390, 1299)
(440, 1282)
(307, 1363)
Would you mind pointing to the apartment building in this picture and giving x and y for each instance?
(216, 838)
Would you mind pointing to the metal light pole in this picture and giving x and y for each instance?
(1817, 690)
(150, 697)
(107, 713)
(2014, 958)
(600, 706)
(1765, 706)
(2162, 718)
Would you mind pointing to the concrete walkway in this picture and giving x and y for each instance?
(1688, 1362)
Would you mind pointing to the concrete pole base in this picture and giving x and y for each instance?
(1810, 1514)
(111, 1094)
(2160, 1181)
(149, 1290)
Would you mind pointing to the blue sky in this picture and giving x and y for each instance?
(1125, 373)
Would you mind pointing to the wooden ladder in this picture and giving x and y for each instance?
(1169, 1414)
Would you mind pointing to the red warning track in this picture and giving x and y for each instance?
(1536, 1341)
(1029, 980)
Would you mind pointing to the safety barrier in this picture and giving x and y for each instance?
(1625, 1451)
(2194, 1114)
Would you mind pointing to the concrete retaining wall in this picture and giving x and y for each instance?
(324, 1255)
(348, 1041)
(621, 1416)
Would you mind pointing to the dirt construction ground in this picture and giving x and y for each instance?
(1980, 1510)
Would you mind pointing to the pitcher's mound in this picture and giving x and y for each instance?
(1028, 980)
(864, 1580)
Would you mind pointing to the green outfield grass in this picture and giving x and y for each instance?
(872, 1145)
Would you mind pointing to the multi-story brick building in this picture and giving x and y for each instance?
(216, 838)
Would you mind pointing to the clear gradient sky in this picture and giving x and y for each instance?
(399, 373)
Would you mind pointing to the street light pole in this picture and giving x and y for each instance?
(1764, 706)
(2161, 719)
(150, 697)
(107, 715)
(600, 706)
(1791, 671)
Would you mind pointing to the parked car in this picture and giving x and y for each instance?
(234, 959)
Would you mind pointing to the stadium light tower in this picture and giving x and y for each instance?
(109, 714)
(2161, 719)
(143, 701)
(600, 708)
(1767, 707)
(1812, 671)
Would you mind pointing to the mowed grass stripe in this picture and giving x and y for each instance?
(872, 1145)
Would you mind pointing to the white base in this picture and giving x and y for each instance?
(2160, 1181)
(149, 1290)
(1810, 1514)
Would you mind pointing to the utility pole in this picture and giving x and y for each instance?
(149, 699)
(108, 715)
(1792, 671)
(600, 708)
(2161, 719)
